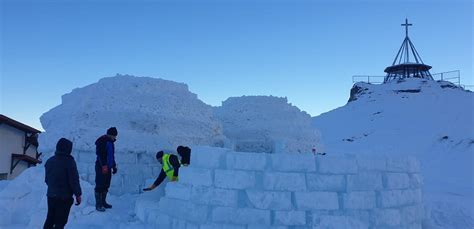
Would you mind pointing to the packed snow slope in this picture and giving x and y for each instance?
(266, 124)
(24, 205)
(149, 114)
(428, 119)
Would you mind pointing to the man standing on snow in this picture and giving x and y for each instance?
(104, 166)
(170, 165)
(62, 179)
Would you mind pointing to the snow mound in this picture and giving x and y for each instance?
(266, 124)
(414, 115)
(24, 205)
(149, 114)
(432, 120)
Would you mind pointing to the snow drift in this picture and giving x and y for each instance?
(427, 119)
(24, 205)
(149, 114)
(155, 114)
(266, 124)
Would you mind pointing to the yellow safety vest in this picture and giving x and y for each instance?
(167, 167)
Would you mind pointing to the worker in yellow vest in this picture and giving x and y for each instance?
(170, 165)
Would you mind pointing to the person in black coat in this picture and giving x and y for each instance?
(104, 166)
(62, 179)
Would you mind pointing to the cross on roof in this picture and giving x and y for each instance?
(406, 26)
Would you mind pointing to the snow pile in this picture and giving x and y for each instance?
(266, 124)
(225, 189)
(411, 116)
(150, 114)
(427, 119)
(3, 184)
(24, 205)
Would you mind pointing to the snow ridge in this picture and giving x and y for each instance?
(266, 124)
(148, 113)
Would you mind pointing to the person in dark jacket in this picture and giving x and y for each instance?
(62, 179)
(104, 166)
(185, 153)
(170, 165)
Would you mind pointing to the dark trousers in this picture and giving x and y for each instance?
(58, 212)
(102, 181)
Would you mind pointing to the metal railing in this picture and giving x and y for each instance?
(368, 79)
(450, 76)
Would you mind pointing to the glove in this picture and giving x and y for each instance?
(153, 186)
(78, 200)
(114, 170)
(174, 178)
(105, 169)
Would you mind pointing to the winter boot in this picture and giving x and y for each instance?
(104, 201)
(98, 202)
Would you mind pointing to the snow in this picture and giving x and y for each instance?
(214, 196)
(318, 182)
(432, 121)
(153, 114)
(269, 198)
(24, 205)
(149, 114)
(196, 176)
(3, 184)
(292, 162)
(365, 181)
(178, 191)
(261, 123)
(290, 218)
(371, 177)
(336, 165)
(214, 157)
(156, 114)
(397, 180)
(199, 200)
(234, 179)
(284, 181)
(240, 215)
(186, 210)
(246, 161)
(316, 200)
(359, 200)
(340, 222)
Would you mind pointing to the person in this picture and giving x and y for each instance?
(170, 165)
(104, 166)
(317, 153)
(62, 178)
(185, 153)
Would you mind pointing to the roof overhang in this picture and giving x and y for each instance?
(407, 66)
(11, 122)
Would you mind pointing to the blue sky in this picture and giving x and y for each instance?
(304, 50)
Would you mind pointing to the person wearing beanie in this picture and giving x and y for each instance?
(185, 153)
(105, 166)
(112, 131)
(170, 165)
(62, 179)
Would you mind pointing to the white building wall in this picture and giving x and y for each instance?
(12, 140)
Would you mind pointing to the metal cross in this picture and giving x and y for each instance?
(406, 26)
